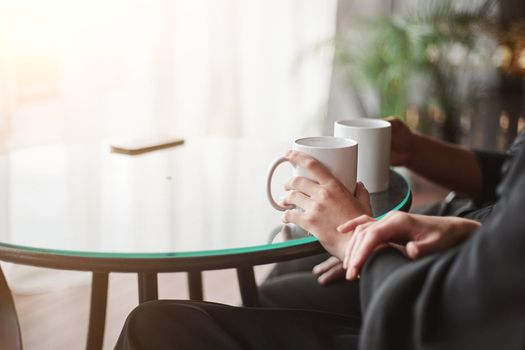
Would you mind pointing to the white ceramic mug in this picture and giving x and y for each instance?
(373, 137)
(339, 155)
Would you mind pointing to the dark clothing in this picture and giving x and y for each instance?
(172, 324)
(469, 297)
(490, 164)
(292, 285)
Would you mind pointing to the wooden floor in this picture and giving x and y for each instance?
(56, 318)
(53, 306)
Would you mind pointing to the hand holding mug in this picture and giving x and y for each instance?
(339, 156)
(401, 144)
(325, 202)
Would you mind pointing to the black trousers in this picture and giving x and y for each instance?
(291, 284)
(172, 324)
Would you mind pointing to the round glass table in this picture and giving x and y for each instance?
(200, 206)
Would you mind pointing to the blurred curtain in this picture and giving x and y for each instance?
(90, 70)
(75, 71)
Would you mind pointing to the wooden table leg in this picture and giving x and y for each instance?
(148, 287)
(195, 285)
(10, 335)
(97, 311)
(247, 285)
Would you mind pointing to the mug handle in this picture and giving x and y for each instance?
(274, 166)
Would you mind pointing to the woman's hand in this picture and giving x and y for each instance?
(425, 234)
(329, 271)
(325, 203)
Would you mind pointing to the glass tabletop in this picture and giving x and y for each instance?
(204, 198)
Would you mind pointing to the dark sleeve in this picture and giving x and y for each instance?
(470, 297)
(479, 215)
(490, 164)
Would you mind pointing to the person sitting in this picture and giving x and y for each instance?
(318, 282)
(455, 283)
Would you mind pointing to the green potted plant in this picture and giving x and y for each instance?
(429, 49)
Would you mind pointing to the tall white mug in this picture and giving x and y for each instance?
(373, 137)
(339, 155)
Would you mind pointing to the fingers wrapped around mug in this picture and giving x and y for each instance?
(302, 184)
(319, 172)
(325, 202)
